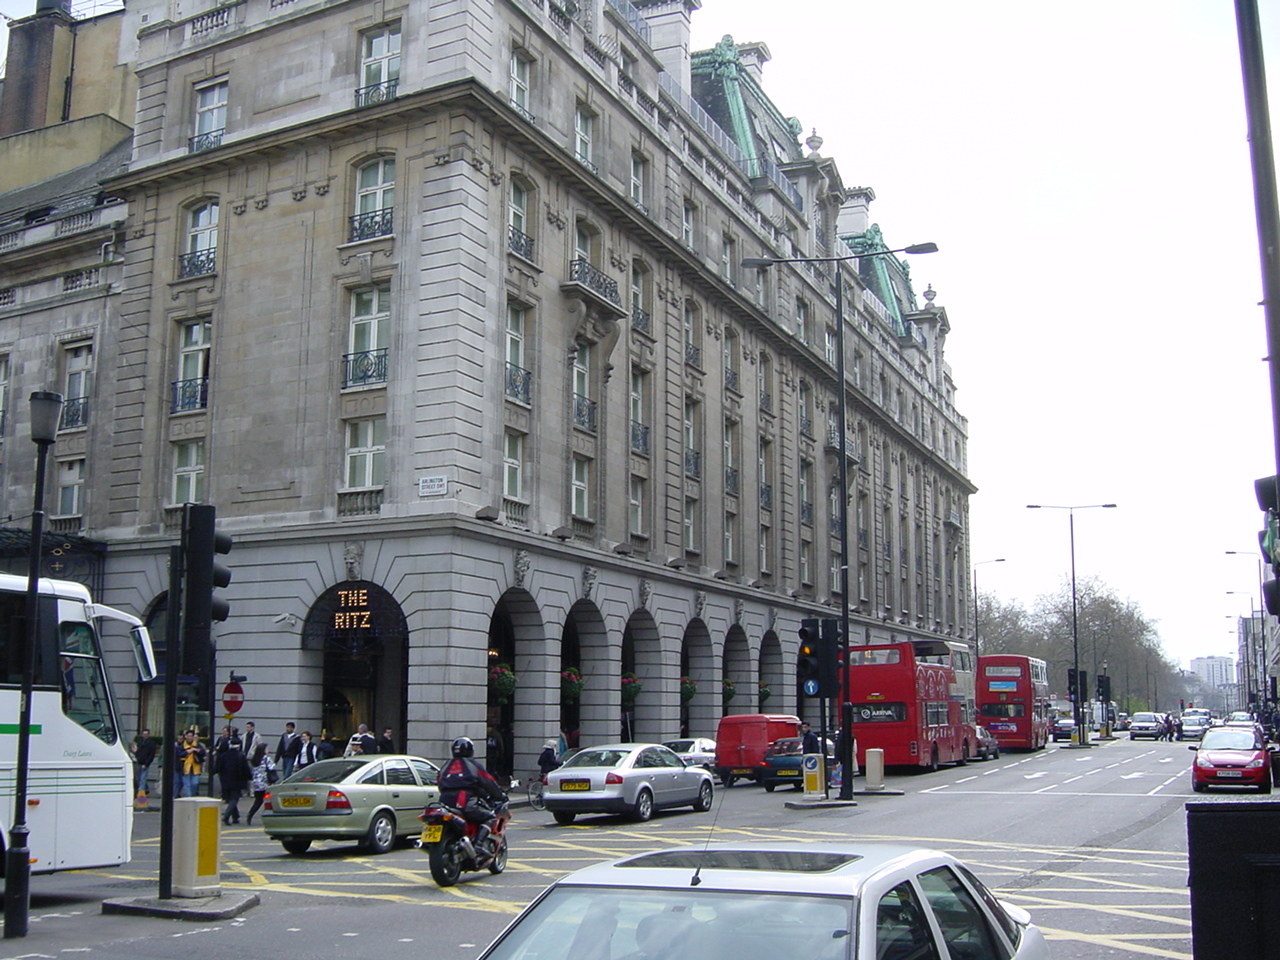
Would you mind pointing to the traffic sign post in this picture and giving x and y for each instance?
(232, 697)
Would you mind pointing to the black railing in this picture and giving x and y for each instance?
(693, 463)
(864, 539)
(639, 438)
(367, 366)
(584, 412)
(806, 513)
(641, 321)
(731, 380)
(376, 93)
(365, 226)
(205, 141)
(766, 496)
(190, 394)
(731, 480)
(520, 243)
(693, 355)
(806, 426)
(198, 263)
(766, 401)
(75, 413)
(593, 278)
(519, 384)
(523, 111)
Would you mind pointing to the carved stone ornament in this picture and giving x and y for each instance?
(555, 217)
(261, 203)
(592, 326)
(353, 559)
(239, 207)
(772, 617)
(700, 604)
(522, 565)
(300, 193)
(322, 189)
(739, 609)
(646, 592)
(589, 576)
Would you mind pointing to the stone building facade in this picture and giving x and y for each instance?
(442, 305)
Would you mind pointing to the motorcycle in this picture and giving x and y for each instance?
(449, 840)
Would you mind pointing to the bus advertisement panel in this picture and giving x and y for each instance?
(914, 701)
(80, 772)
(1013, 700)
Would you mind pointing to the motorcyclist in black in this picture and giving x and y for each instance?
(463, 781)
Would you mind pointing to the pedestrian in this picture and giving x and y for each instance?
(287, 749)
(264, 774)
(809, 740)
(234, 776)
(190, 756)
(361, 742)
(325, 747)
(307, 754)
(386, 742)
(250, 739)
(549, 758)
(144, 748)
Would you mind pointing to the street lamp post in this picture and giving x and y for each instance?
(977, 643)
(846, 708)
(1082, 731)
(45, 411)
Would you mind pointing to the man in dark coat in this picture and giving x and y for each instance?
(234, 775)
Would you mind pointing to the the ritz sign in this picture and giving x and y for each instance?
(353, 611)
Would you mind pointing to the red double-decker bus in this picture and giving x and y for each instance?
(914, 701)
(1013, 699)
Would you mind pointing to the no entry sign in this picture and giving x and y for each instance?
(232, 697)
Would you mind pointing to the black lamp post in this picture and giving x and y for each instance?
(977, 643)
(1082, 731)
(846, 709)
(45, 411)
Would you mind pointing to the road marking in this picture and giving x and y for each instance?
(1035, 776)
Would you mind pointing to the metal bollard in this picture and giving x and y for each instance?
(875, 769)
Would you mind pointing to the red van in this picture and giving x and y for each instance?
(742, 739)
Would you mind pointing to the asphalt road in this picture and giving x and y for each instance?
(1092, 842)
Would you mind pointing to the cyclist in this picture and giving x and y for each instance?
(549, 759)
(464, 782)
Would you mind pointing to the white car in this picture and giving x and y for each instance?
(630, 778)
(694, 751)
(766, 900)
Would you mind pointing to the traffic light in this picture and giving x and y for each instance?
(1073, 688)
(1265, 489)
(808, 663)
(1104, 688)
(200, 543)
(829, 658)
(1084, 684)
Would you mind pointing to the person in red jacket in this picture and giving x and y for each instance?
(464, 781)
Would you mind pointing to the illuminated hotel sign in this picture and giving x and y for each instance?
(353, 611)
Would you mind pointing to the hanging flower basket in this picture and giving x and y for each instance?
(765, 693)
(728, 690)
(502, 682)
(687, 689)
(630, 688)
(571, 684)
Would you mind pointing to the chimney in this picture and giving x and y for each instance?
(754, 56)
(669, 35)
(39, 64)
(854, 218)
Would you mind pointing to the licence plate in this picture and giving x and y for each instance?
(431, 833)
(788, 773)
(1230, 773)
(295, 801)
(575, 784)
(746, 771)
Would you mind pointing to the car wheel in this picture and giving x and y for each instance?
(728, 779)
(382, 833)
(643, 810)
(296, 846)
(1131, 737)
(564, 817)
(1264, 787)
(769, 786)
(996, 754)
(703, 803)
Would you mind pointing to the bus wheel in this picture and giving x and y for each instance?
(964, 754)
(933, 759)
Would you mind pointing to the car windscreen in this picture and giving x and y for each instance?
(596, 758)
(1224, 739)
(595, 923)
(679, 746)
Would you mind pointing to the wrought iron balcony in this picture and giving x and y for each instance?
(520, 243)
(806, 426)
(864, 539)
(205, 141)
(75, 413)
(766, 496)
(584, 412)
(766, 401)
(587, 162)
(806, 513)
(376, 93)
(693, 464)
(731, 480)
(365, 367)
(731, 380)
(693, 355)
(190, 394)
(641, 322)
(365, 226)
(519, 384)
(587, 274)
(522, 110)
(639, 438)
(198, 263)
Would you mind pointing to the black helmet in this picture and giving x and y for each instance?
(463, 747)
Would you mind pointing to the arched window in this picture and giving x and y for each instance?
(200, 245)
(375, 199)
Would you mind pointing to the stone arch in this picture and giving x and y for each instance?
(737, 668)
(773, 674)
(700, 716)
(642, 655)
(518, 637)
(584, 646)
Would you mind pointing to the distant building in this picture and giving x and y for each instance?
(1214, 671)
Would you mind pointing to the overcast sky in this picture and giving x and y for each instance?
(1084, 168)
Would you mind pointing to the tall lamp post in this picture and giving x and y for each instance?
(977, 643)
(846, 708)
(1082, 731)
(45, 411)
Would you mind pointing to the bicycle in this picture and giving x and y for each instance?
(534, 791)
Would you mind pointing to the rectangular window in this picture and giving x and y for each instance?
(366, 452)
(4, 394)
(806, 562)
(636, 510)
(379, 66)
(583, 131)
(802, 320)
(730, 538)
(728, 258)
(367, 341)
(78, 367)
(210, 116)
(518, 208)
(519, 70)
(639, 175)
(70, 487)
(831, 352)
(764, 547)
(638, 409)
(188, 471)
(691, 524)
(687, 223)
(581, 487)
(191, 388)
(513, 465)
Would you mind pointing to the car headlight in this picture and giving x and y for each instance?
(1257, 762)
(1203, 761)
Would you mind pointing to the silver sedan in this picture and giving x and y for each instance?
(632, 778)
(693, 751)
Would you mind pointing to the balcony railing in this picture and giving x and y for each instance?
(731, 481)
(205, 141)
(731, 380)
(594, 279)
(515, 513)
(693, 355)
(198, 263)
(806, 513)
(864, 539)
(587, 162)
(766, 496)
(522, 110)
(766, 401)
(519, 385)
(365, 226)
(375, 93)
(365, 367)
(75, 413)
(520, 243)
(190, 394)
(693, 464)
(584, 412)
(633, 17)
(639, 438)
(641, 322)
(359, 503)
(806, 426)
